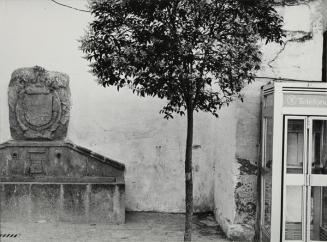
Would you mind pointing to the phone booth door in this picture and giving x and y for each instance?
(305, 179)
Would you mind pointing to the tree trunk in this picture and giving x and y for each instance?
(188, 177)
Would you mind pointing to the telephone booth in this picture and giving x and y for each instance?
(294, 162)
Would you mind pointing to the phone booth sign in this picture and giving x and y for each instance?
(294, 162)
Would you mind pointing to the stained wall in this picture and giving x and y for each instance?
(298, 58)
(131, 130)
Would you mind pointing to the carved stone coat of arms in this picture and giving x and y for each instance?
(39, 104)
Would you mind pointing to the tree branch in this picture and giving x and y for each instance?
(67, 6)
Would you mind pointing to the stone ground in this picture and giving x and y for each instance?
(139, 227)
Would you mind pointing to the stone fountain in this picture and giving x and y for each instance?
(44, 176)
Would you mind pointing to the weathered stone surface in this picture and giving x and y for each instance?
(75, 202)
(45, 200)
(106, 204)
(15, 201)
(39, 104)
(246, 199)
(55, 160)
(83, 202)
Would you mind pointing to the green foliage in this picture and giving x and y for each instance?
(197, 54)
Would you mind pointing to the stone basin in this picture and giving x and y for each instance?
(59, 181)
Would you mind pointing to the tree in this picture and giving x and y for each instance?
(197, 54)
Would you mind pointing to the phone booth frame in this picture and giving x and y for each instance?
(281, 101)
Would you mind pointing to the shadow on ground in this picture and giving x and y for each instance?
(206, 225)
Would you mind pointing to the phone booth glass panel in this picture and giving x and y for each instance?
(317, 187)
(294, 168)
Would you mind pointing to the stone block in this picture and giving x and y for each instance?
(107, 203)
(75, 203)
(45, 200)
(15, 202)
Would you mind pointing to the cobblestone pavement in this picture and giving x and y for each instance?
(139, 227)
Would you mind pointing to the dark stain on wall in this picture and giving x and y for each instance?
(246, 167)
(245, 198)
(239, 184)
(291, 2)
(299, 36)
(246, 207)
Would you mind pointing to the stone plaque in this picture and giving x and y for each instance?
(36, 161)
(36, 167)
(39, 104)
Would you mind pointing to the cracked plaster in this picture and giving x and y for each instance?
(299, 57)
